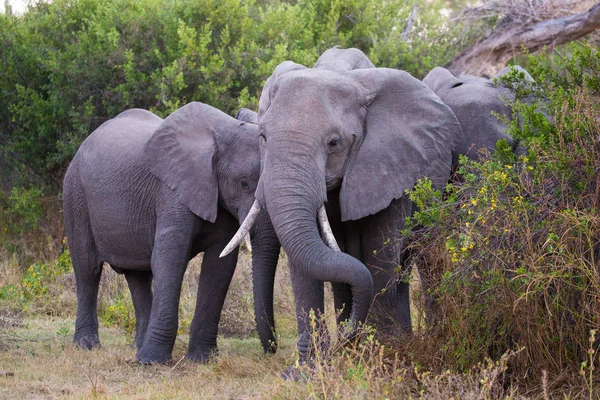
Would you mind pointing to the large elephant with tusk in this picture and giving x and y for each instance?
(346, 143)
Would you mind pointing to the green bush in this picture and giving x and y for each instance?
(118, 312)
(21, 212)
(71, 65)
(37, 281)
(514, 251)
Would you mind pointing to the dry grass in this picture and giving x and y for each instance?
(46, 365)
(38, 361)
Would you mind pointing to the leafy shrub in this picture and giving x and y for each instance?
(512, 257)
(21, 212)
(37, 283)
(118, 312)
(71, 65)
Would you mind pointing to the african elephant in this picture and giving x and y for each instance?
(146, 195)
(348, 143)
(480, 105)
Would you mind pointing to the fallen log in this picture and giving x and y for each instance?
(491, 54)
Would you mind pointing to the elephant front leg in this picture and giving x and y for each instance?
(215, 278)
(382, 250)
(140, 287)
(169, 261)
(312, 331)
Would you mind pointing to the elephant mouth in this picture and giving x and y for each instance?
(246, 226)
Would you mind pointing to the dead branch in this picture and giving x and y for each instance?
(411, 22)
(514, 35)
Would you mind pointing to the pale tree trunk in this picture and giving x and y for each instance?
(491, 54)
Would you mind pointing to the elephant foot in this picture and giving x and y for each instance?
(149, 356)
(87, 342)
(203, 356)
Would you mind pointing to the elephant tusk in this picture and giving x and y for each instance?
(326, 230)
(248, 243)
(243, 231)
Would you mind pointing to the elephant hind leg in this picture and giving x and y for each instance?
(140, 286)
(87, 264)
(88, 270)
(342, 299)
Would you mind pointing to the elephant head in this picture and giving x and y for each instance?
(480, 105)
(343, 60)
(372, 133)
(209, 164)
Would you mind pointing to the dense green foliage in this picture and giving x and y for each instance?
(512, 250)
(68, 66)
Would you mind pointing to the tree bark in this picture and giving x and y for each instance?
(488, 56)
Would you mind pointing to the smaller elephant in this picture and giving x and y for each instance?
(146, 195)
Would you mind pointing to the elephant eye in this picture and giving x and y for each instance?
(244, 184)
(333, 142)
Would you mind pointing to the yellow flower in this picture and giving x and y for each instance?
(474, 202)
(530, 167)
(467, 224)
(463, 248)
(508, 166)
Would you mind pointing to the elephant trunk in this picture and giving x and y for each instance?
(265, 254)
(294, 190)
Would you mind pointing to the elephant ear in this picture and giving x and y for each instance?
(342, 60)
(440, 80)
(266, 95)
(409, 134)
(181, 153)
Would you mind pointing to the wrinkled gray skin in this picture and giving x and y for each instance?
(146, 195)
(247, 115)
(356, 139)
(477, 103)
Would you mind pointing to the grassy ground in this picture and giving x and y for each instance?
(42, 363)
(38, 360)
